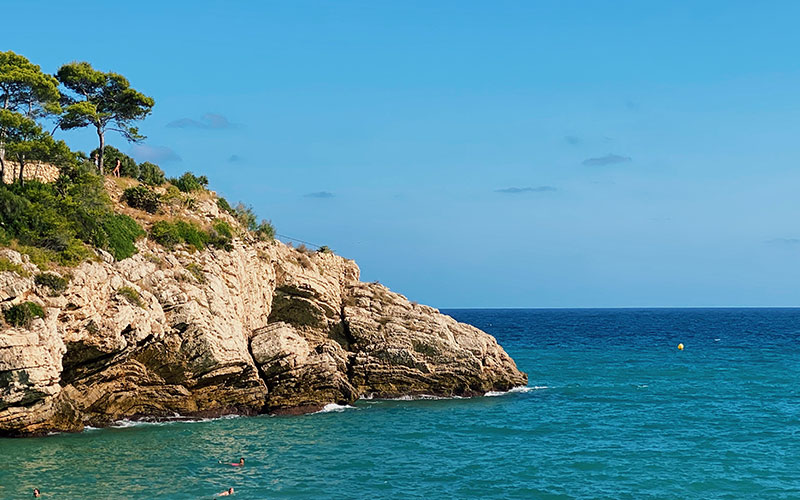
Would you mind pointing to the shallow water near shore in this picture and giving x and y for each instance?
(613, 410)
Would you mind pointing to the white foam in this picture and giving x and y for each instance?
(176, 418)
(409, 397)
(125, 423)
(518, 389)
(333, 407)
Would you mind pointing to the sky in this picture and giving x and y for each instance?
(478, 154)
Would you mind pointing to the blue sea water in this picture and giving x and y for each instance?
(613, 410)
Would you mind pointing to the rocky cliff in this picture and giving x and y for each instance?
(260, 328)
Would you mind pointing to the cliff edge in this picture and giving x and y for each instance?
(259, 328)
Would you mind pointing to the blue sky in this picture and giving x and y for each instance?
(479, 154)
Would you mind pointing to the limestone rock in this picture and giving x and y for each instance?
(261, 328)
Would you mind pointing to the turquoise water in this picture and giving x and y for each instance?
(619, 412)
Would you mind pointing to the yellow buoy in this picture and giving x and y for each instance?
(680, 347)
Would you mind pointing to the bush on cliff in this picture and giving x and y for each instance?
(189, 182)
(122, 231)
(23, 314)
(169, 234)
(54, 282)
(265, 231)
(151, 174)
(142, 198)
(223, 205)
(62, 219)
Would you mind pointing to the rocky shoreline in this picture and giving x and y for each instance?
(262, 328)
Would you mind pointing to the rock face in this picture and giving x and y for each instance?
(261, 328)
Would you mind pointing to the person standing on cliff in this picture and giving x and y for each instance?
(115, 173)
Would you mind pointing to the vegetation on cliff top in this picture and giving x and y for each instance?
(63, 221)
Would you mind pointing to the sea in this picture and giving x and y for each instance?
(613, 410)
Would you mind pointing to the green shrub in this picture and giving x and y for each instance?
(39, 256)
(122, 232)
(142, 198)
(223, 204)
(246, 216)
(54, 282)
(265, 231)
(131, 295)
(189, 182)
(55, 222)
(196, 271)
(7, 265)
(23, 314)
(223, 228)
(169, 234)
(151, 174)
(165, 234)
(191, 234)
(127, 167)
(221, 235)
(324, 249)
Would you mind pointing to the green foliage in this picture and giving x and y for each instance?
(196, 271)
(101, 100)
(24, 88)
(165, 234)
(23, 314)
(122, 232)
(221, 235)
(127, 165)
(223, 228)
(223, 204)
(7, 265)
(172, 196)
(191, 234)
(55, 222)
(38, 256)
(265, 231)
(246, 216)
(169, 234)
(151, 174)
(131, 295)
(324, 249)
(54, 282)
(142, 198)
(189, 182)
(25, 141)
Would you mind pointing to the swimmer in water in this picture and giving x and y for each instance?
(226, 493)
(240, 463)
(37, 494)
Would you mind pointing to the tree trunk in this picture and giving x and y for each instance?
(2, 169)
(102, 150)
(21, 162)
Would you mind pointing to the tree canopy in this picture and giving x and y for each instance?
(25, 141)
(25, 94)
(25, 89)
(103, 100)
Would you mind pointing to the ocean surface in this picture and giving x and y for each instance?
(613, 410)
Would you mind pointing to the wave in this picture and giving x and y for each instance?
(409, 397)
(125, 423)
(519, 389)
(333, 407)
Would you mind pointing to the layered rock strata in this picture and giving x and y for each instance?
(263, 328)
